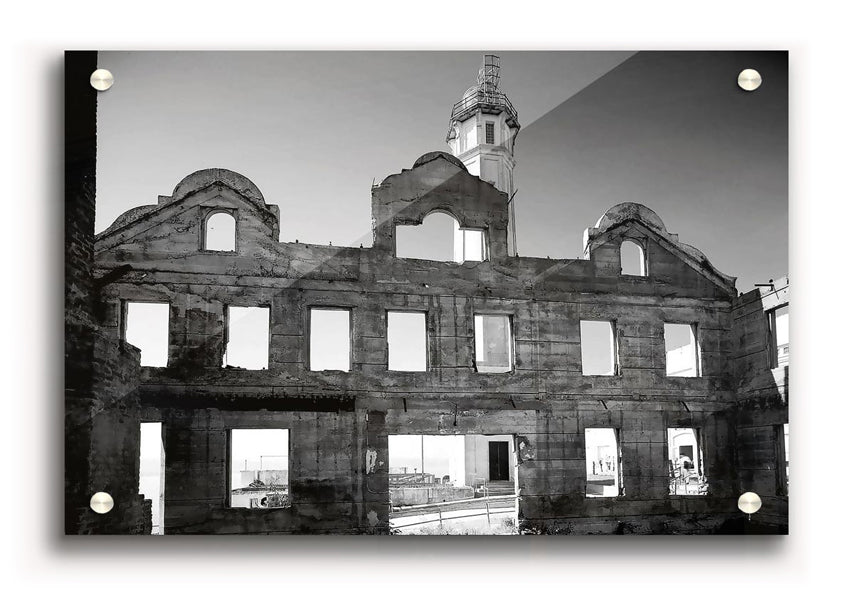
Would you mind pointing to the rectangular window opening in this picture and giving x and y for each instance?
(330, 339)
(146, 328)
(453, 484)
(490, 133)
(685, 463)
(152, 473)
(681, 350)
(493, 344)
(604, 460)
(247, 341)
(599, 348)
(259, 468)
(783, 469)
(469, 245)
(407, 343)
(778, 325)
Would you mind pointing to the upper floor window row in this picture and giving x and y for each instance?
(247, 334)
(247, 340)
(440, 238)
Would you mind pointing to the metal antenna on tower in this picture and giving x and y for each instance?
(488, 76)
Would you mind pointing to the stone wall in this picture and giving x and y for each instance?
(762, 403)
(101, 373)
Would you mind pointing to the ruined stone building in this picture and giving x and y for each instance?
(502, 355)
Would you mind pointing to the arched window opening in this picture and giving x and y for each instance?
(632, 259)
(220, 233)
(441, 238)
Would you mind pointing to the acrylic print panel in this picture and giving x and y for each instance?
(374, 278)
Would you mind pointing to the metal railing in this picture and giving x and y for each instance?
(441, 508)
(492, 101)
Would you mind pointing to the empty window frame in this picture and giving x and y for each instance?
(777, 321)
(685, 464)
(604, 459)
(469, 245)
(330, 339)
(152, 473)
(599, 348)
(681, 349)
(440, 237)
(259, 468)
(493, 344)
(632, 259)
(407, 341)
(220, 232)
(782, 471)
(468, 135)
(146, 328)
(246, 337)
(489, 133)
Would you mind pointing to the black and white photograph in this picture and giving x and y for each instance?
(427, 293)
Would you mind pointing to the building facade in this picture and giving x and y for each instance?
(504, 355)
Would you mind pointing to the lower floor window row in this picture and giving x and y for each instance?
(259, 473)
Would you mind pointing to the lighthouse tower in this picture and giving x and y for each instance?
(482, 134)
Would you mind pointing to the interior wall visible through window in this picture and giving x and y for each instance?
(681, 350)
(687, 477)
(493, 344)
(602, 455)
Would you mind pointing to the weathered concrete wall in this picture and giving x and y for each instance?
(409, 496)
(101, 373)
(762, 403)
(339, 421)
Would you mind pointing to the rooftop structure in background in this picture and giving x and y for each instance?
(482, 134)
(484, 96)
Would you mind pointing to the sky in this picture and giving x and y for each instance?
(313, 130)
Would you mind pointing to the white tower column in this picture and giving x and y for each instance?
(482, 134)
